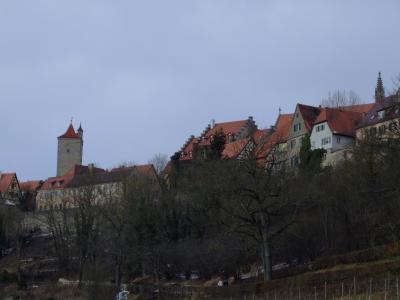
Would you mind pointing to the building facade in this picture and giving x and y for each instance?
(70, 149)
(301, 125)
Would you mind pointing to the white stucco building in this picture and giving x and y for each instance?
(334, 131)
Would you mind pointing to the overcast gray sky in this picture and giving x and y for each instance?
(142, 76)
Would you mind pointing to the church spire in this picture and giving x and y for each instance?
(379, 90)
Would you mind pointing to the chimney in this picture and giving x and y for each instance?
(91, 167)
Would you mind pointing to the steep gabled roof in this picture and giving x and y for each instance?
(309, 114)
(188, 148)
(226, 127)
(233, 149)
(5, 181)
(371, 117)
(260, 135)
(147, 170)
(32, 185)
(280, 135)
(360, 108)
(340, 122)
(70, 133)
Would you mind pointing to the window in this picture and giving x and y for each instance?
(326, 141)
(312, 144)
(294, 161)
(382, 129)
(320, 127)
(296, 127)
(338, 139)
(292, 143)
(381, 114)
(393, 126)
(67, 150)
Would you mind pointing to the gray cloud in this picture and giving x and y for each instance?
(144, 75)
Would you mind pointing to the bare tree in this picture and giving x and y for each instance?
(341, 98)
(396, 84)
(58, 220)
(159, 161)
(86, 221)
(114, 210)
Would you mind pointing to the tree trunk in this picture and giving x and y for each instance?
(265, 250)
(266, 259)
(81, 268)
(118, 277)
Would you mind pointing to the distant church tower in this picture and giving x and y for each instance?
(70, 148)
(379, 90)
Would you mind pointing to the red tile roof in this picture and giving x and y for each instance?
(309, 114)
(280, 135)
(33, 185)
(260, 134)
(340, 121)
(54, 183)
(371, 117)
(147, 170)
(233, 149)
(204, 139)
(77, 174)
(70, 133)
(5, 181)
(361, 108)
(188, 148)
(226, 127)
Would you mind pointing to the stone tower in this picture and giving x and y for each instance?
(379, 90)
(70, 148)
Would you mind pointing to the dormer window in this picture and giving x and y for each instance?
(381, 114)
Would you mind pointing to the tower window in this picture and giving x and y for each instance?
(67, 150)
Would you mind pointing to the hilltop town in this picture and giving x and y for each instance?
(335, 129)
(236, 203)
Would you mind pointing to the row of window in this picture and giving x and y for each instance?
(297, 127)
(320, 127)
(382, 129)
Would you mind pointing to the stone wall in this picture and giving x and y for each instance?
(69, 154)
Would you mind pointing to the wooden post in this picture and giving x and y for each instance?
(299, 294)
(397, 288)
(370, 289)
(354, 286)
(342, 291)
(385, 290)
(315, 293)
(325, 290)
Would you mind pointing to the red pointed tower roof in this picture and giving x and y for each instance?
(70, 133)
